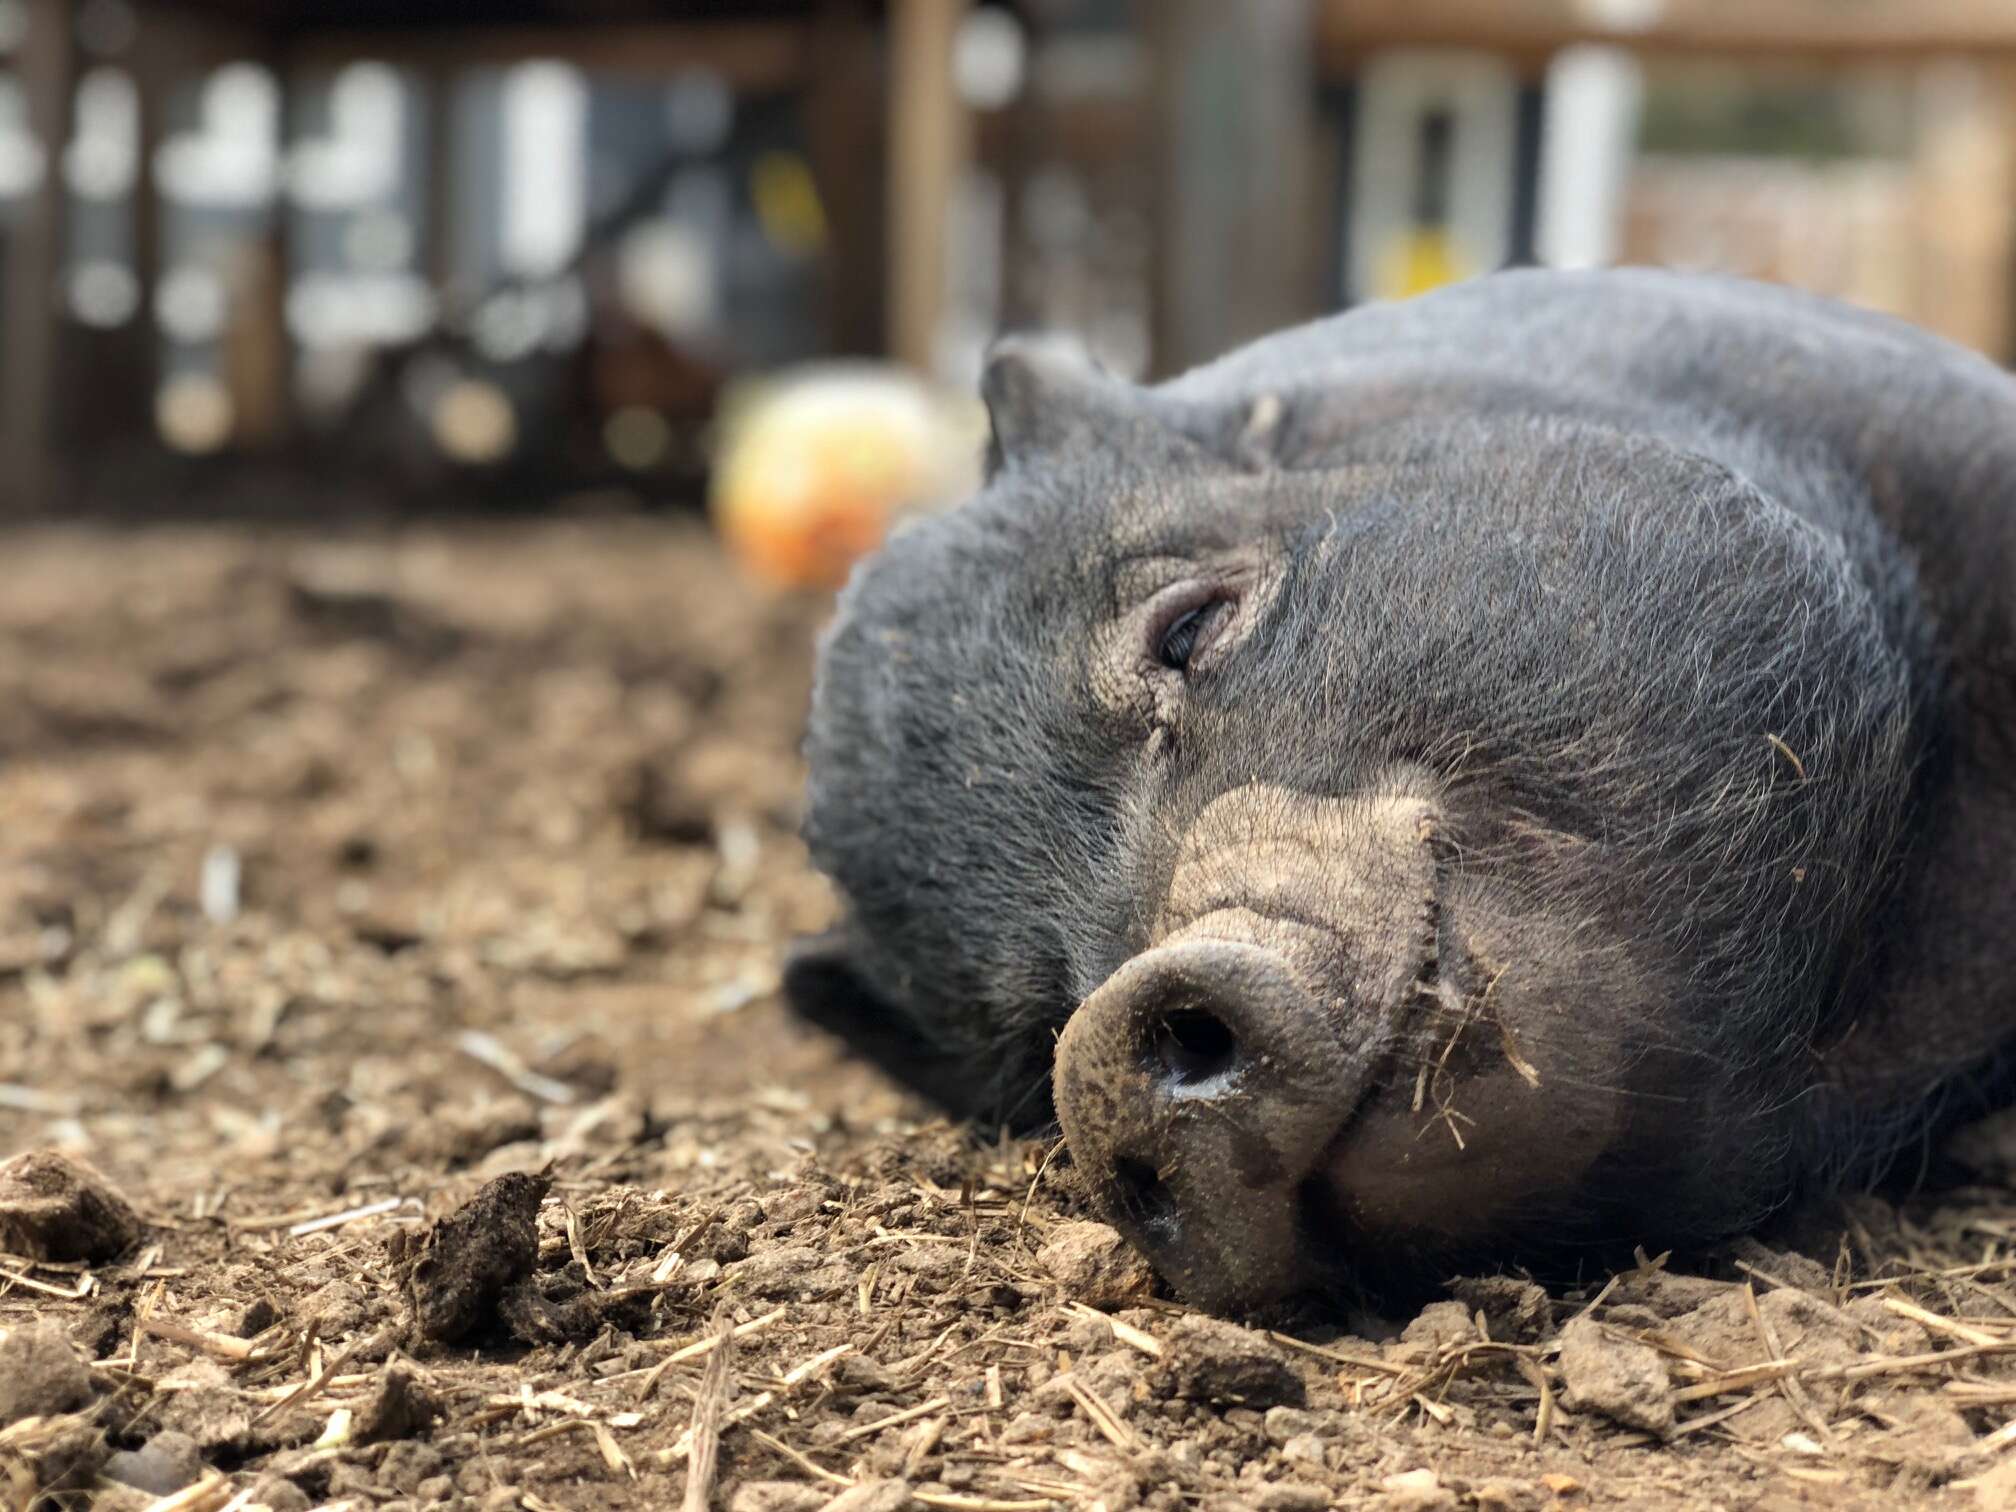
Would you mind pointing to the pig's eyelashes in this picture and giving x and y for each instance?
(1182, 640)
(1184, 621)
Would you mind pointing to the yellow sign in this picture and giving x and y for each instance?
(1420, 259)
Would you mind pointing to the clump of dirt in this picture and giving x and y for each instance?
(395, 919)
(459, 1271)
(1209, 1360)
(165, 1464)
(55, 1207)
(400, 1407)
(40, 1374)
(1617, 1376)
(1095, 1265)
(1511, 1307)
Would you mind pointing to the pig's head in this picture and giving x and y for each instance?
(1378, 849)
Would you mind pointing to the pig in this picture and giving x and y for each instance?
(1496, 777)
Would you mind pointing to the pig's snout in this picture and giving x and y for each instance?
(1199, 1098)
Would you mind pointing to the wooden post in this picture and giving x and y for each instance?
(1965, 171)
(158, 54)
(846, 130)
(929, 143)
(1235, 104)
(1804, 30)
(440, 263)
(29, 316)
(259, 345)
(1027, 124)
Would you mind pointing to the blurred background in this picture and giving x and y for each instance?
(293, 256)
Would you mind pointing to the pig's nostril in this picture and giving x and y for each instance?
(1195, 1085)
(1194, 1047)
(1143, 1195)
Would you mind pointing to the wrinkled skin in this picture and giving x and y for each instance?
(1488, 778)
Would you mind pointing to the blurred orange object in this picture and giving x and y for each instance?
(814, 467)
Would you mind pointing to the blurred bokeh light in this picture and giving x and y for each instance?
(454, 252)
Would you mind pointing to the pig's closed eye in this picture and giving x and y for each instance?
(1182, 640)
(1184, 622)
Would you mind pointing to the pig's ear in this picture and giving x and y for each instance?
(1049, 402)
(824, 984)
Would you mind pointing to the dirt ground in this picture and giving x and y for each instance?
(351, 882)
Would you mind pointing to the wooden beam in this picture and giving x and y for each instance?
(157, 62)
(30, 318)
(1966, 172)
(1236, 197)
(755, 56)
(930, 141)
(845, 126)
(1088, 130)
(441, 223)
(1803, 29)
(258, 347)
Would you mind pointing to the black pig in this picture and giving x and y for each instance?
(1530, 766)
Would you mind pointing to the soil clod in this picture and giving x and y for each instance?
(41, 1374)
(1210, 1360)
(461, 1268)
(1096, 1266)
(400, 1407)
(1514, 1310)
(162, 1466)
(1622, 1379)
(55, 1207)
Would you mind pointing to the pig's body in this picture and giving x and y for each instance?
(1535, 763)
